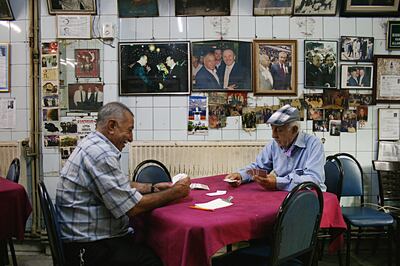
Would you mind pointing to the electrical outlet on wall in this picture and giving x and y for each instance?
(108, 31)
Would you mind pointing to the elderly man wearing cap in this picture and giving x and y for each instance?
(291, 158)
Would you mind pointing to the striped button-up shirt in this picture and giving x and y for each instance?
(93, 194)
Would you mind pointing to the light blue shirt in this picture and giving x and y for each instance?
(93, 194)
(304, 161)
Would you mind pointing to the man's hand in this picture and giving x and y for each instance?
(162, 186)
(182, 186)
(234, 176)
(268, 182)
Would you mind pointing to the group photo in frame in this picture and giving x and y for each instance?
(87, 63)
(272, 8)
(356, 76)
(4, 67)
(137, 8)
(387, 76)
(275, 67)
(221, 66)
(354, 48)
(202, 8)
(154, 68)
(83, 7)
(369, 8)
(314, 7)
(393, 35)
(85, 96)
(320, 64)
(5, 10)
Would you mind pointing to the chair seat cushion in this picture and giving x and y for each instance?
(364, 217)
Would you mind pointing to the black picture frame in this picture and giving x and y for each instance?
(190, 8)
(5, 10)
(367, 8)
(154, 68)
(320, 64)
(357, 49)
(131, 9)
(79, 7)
(240, 76)
(272, 8)
(358, 76)
(314, 8)
(393, 35)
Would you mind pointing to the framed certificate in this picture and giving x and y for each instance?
(387, 78)
(73, 26)
(389, 124)
(4, 67)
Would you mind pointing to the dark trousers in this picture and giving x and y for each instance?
(113, 251)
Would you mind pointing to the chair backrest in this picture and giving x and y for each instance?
(14, 170)
(151, 171)
(333, 176)
(389, 182)
(298, 222)
(52, 226)
(353, 184)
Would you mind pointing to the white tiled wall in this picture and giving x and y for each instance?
(164, 118)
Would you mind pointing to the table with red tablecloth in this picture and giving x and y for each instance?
(15, 209)
(184, 236)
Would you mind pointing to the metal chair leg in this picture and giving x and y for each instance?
(348, 244)
(12, 250)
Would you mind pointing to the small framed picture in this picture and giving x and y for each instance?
(5, 10)
(74, 26)
(272, 8)
(314, 8)
(4, 67)
(72, 7)
(388, 124)
(87, 63)
(357, 49)
(387, 78)
(275, 67)
(320, 64)
(137, 8)
(85, 96)
(356, 76)
(225, 66)
(154, 68)
(393, 35)
(202, 8)
(370, 8)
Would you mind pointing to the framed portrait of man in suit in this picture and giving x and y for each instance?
(358, 77)
(221, 66)
(275, 67)
(370, 8)
(78, 7)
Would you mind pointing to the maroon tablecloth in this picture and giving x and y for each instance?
(15, 209)
(184, 236)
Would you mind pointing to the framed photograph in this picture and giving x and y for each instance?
(388, 124)
(85, 96)
(320, 64)
(359, 49)
(4, 67)
(272, 8)
(88, 7)
(356, 76)
(154, 68)
(314, 8)
(221, 66)
(202, 8)
(387, 78)
(393, 35)
(137, 8)
(5, 10)
(275, 67)
(74, 27)
(370, 8)
(87, 63)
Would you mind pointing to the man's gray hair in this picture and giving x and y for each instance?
(112, 110)
(294, 124)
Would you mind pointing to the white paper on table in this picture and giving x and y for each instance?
(217, 193)
(178, 177)
(214, 204)
(199, 186)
